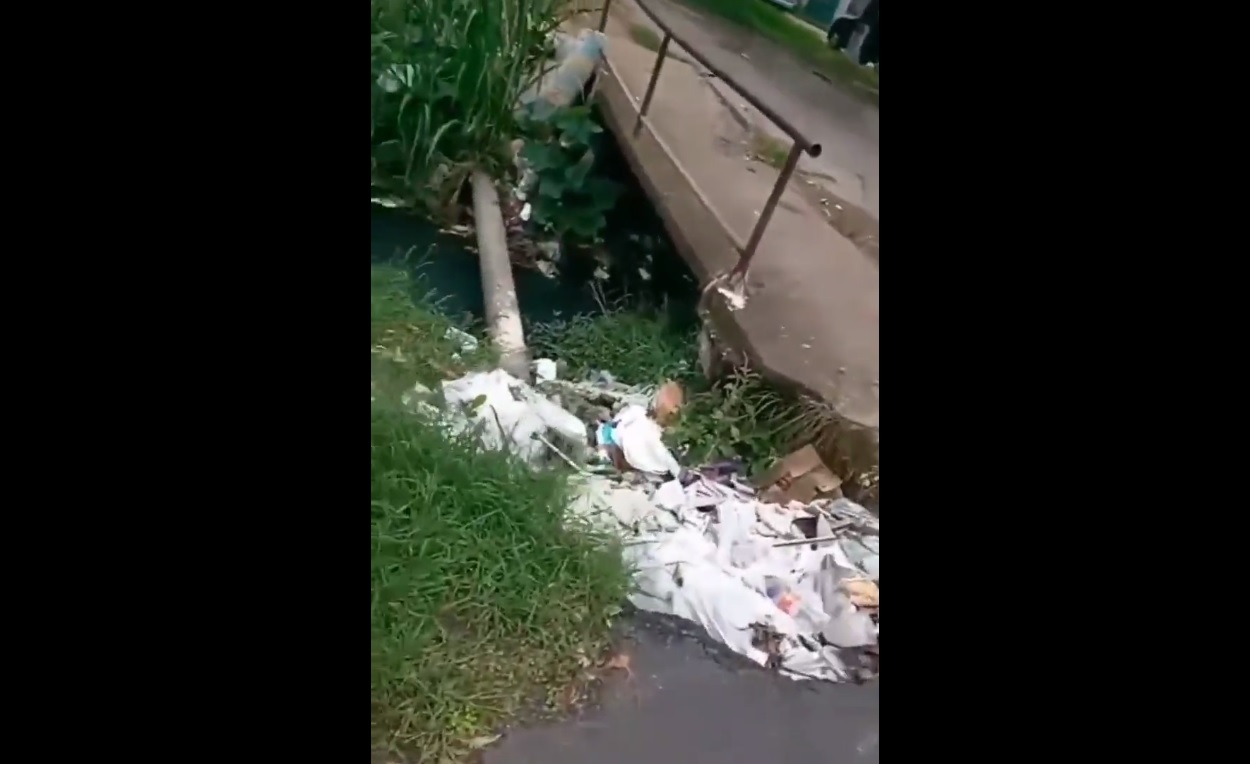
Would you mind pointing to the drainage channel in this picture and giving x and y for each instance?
(645, 270)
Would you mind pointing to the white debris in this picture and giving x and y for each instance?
(723, 570)
(507, 412)
(544, 370)
(640, 440)
(396, 77)
(468, 343)
(700, 549)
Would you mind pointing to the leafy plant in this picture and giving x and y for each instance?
(445, 78)
(640, 346)
(570, 201)
(740, 415)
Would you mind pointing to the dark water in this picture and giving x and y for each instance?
(633, 235)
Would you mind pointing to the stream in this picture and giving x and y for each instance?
(633, 231)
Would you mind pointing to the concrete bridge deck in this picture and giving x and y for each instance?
(813, 313)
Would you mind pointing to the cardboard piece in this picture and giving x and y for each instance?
(862, 591)
(668, 402)
(800, 476)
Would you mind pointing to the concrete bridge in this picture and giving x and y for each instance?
(710, 137)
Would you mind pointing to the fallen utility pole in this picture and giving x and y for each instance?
(503, 312)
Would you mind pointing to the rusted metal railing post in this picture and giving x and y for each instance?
(655, 75)
(603, 20)
(766, 214)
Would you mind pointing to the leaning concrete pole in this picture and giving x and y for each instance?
(503, 312)
(578, 58)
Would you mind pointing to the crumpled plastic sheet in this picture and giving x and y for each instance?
(641, 441)
(716, 567)
(508, 413)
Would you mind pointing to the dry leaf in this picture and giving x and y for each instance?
(862, 591)
(620, 661)
(483, 741)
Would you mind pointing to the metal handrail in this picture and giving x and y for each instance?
(801, 142)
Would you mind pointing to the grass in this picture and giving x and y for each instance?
(408, 334)
(740, 415)
(804, 40)
(645, 36)
(484, 604)
(769, 150)
(638, 346)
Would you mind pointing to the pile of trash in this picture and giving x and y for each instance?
(783, 571)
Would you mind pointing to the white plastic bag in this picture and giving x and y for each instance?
(509, 413)
(639, 438)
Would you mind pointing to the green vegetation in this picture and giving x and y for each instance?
(769, 150)
(483, 602)
(806, 41)
(739, 415)
(408, 335)
(445, 76)
(645, 36)
(571, 202)
(643, 346)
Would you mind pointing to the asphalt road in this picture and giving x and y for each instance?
(691, 702)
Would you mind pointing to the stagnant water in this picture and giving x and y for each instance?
(452, 270)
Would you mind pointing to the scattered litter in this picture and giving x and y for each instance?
(507, 412)
(862, 591)
(526, 211)
(468, 343)
(732, 286)
(668, 402)
(782, 573)
(483, 741)
(620, 661)
(399, 75)
(389, 202)
(800, 476)
(545, 370)
(640, 439)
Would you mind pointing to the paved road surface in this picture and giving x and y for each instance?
(848, 130)
(691, 703)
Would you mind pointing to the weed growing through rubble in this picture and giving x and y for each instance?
(739, 415)
(642, 346)
(769, 150)
(482, 599)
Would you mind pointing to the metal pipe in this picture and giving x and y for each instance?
(792, 161)
(655, 76)
(603, 20)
